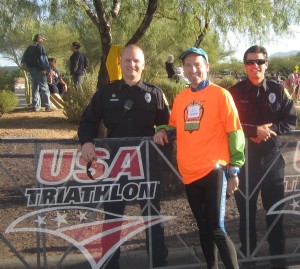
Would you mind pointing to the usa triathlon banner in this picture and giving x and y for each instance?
(57, 211)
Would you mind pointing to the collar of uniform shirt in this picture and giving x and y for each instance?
(139, 85)
(264, 87)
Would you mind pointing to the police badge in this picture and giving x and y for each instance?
(148, 97)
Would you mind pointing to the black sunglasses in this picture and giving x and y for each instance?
(258, 62)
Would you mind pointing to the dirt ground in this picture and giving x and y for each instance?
(24, 123)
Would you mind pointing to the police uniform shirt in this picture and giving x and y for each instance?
(148, 109)
(262, 105)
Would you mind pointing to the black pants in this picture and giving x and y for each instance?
(207, 199)
(159, 249)
(272, 191)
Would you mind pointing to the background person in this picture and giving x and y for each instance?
(78, 65)
(179, 76)
(209, 138)
(169, 65)
(55, 82)
(148, 110)
(291, 83)
(266, 113)
(35, 61)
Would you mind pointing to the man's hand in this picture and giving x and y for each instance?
(256, 140)
(264, 133)
(232, 184)
(161, 137)
(88, 152)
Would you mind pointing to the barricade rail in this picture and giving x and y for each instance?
(52, 213)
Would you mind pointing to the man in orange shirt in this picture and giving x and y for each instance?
(210, 145)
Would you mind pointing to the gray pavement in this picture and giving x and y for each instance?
(179, 258)
(20, 93)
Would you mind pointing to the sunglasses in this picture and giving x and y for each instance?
(258, 62)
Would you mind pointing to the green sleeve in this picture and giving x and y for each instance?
(166, 127)
(236, 148)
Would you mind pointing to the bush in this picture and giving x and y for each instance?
(225, 82)
(8, 101)
(7, 79)
(298, 113)
(170, 89)
(76, 101)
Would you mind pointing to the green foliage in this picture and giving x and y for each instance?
(7, 80)
(225, 81)
(8, 101)
(170, 89)
(283, 65)
(298, 113)
(76, 101)
(234, 66)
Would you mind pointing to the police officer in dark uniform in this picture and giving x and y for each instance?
(128, 107)
(265, 112)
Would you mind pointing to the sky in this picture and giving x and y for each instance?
(4, 62)
(272, 47)
(283, 45)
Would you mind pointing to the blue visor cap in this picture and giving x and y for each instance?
(198, 51)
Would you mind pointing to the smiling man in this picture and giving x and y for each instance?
(209, 139)
(265, 112)
(129, 107)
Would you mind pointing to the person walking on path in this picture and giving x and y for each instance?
(128, 107)
(265, 112)
(35, 61)
(210, 145)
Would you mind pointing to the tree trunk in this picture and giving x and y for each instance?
(103, 23)
(103, 77)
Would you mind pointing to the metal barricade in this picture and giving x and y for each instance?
(54, 210)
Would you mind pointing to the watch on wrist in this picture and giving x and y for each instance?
(232, 171)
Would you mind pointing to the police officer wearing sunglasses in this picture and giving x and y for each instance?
(265, 112)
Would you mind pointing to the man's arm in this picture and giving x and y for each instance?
(237, 159)
(43, 59)
(89, 127)
(74, 60)
(161, 134)
(236, 148)
(288, 120)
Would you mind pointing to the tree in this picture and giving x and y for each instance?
(161, 26)
(283, 65)
(103, 18)
(16, 40)
(256, 20)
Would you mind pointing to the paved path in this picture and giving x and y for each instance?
(20, 93)
(56, 100)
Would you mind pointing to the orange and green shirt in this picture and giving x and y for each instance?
(203, 120)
